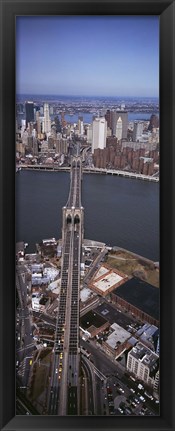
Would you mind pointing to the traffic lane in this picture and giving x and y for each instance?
(27, 345)
(99, 379)
(90, 383)
(108, 368)
(72, 401)
(27, 340)
(23, 288)
(54, 396)
(24, 315)
(88, 389)
(101, 401)
(101, 360)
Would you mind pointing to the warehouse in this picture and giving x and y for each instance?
(106, 280)
(92, 323)
(140, 298)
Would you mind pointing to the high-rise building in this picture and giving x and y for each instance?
(124, 117)
(47, 122)
(138, 130)
(89, 134)
(118, 133)
(61, 145)
(99, 133)
(108, 117)
(80, 126)
(154, 122)
(63, 121)
(24, 137)
(51, 110)
(38, 123)
(29, 107)
(144, 363)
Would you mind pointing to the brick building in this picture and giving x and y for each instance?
(140, 298)
(106, 280)
(92, 323)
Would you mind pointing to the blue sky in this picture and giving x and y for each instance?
(88, 55)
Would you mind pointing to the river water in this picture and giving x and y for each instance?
(118, 211)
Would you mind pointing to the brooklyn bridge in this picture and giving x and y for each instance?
(64, 385)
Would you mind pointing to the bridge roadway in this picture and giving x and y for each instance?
(64, 384)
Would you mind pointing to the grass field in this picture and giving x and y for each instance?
(132, 265)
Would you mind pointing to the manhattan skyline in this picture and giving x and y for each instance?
(88, 55)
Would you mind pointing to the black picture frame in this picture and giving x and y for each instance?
(166, 11)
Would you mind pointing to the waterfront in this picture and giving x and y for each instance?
(118, 211)
(88, 117)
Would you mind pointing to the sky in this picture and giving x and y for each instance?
(88, 55)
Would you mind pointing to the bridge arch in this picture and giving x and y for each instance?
(76, 219)
(69, 219)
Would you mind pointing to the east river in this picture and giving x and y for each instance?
(118, 211)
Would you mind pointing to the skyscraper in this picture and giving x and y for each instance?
(138, 130)
(47, 122)
(99, 133)
(124, 117)
(38, 123)
(154, 122)
(89, 134)
(118, 133)
(80, 126)
(108, 117)
(29, 107)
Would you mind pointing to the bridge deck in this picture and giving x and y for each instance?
(64, 395)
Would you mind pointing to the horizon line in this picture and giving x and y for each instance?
(84, 95)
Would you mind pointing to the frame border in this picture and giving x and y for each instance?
(8, 11)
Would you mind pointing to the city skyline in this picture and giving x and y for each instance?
(96, 56)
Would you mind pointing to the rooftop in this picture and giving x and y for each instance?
(92, 318)
(85, 294)
(108, 281)
(140, 294)
(145, 355)
(118, 336)
(103, 270)
(147, 331)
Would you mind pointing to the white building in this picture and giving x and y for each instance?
(99, 133)
(34, 133)
(36, 301)
(144, 364)
(80, 126)
(47, 122)
(23, 123)
(116, 340)
(119, 129)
